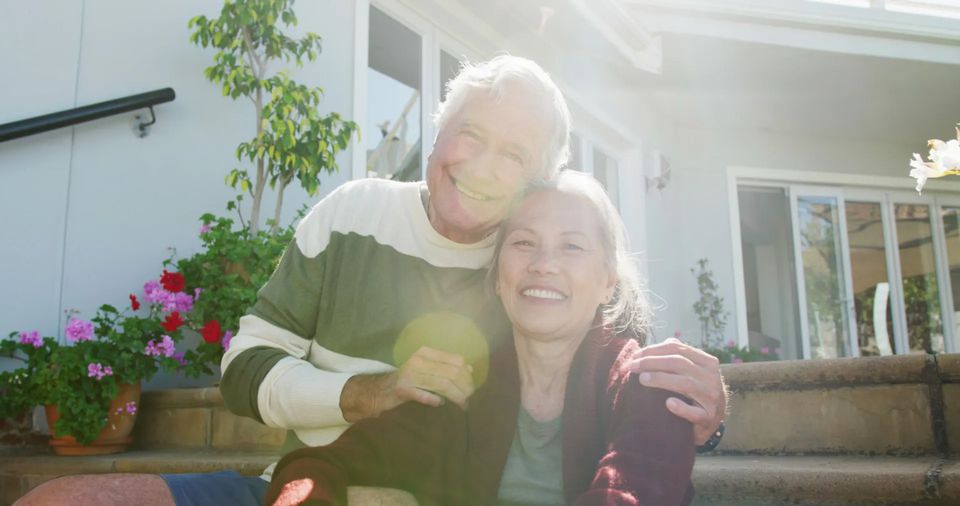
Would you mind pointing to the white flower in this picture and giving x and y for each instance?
(945, 153)
(944, 160)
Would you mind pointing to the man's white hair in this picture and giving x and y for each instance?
(494, 76)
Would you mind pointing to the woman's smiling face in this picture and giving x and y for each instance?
(552, 271)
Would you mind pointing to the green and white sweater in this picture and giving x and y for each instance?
(363, 264)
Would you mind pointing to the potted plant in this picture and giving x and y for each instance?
(90, 385)
(292, 141)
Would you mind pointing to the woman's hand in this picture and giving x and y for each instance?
(429, 376)
(688, 371)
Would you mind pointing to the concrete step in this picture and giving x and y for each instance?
(196, 419)
(900, 405)
(719, 480)
(21, 471)
(825, 480)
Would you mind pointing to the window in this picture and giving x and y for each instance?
(394, 108)
(871, 282)
(449, 68)
(838, 272)
(587, 157)
(919, 277)
(769, 280)
(403, 64)
(606, 171)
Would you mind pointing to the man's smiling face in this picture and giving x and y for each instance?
(484, 155)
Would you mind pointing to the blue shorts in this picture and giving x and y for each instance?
(222, 487)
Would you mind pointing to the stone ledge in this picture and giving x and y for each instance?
(825, 480)
(800, 374)
(251, 464)
(718, 479)
(207, 397)
(948, 365)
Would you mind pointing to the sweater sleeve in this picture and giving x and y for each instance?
(266, 367)
(649, 451)
(404, 448)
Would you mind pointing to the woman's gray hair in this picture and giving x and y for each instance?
(494, 76)
(628, 311)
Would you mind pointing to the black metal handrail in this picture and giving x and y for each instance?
(47, 122)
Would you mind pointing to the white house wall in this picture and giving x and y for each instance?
(90, 211)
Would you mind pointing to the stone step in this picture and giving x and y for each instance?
(719, 480)
(21, 471)
(899, 405)
(825, 480)
(196, 419)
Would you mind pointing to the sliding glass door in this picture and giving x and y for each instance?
(823, 273)
(862, 272)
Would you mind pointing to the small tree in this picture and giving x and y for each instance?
(709, 308)
(292, 139)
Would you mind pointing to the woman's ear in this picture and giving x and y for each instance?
(611, 288)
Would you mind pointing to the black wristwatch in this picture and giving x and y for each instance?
(713, 441)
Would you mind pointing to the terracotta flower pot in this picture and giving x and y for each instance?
(114, 438)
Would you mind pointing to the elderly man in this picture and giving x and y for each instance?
(319, 348)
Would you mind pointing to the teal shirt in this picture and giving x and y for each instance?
(533, 473)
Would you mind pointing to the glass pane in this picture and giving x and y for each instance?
(392, 130)
(768, 271)
(605, 170)
(871, 286)
(449, 68)
(818, 223)
(951, 230)
(921, 295)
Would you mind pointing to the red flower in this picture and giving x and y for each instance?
(211, 332)
(173, 281)
(173, 322)
(134, 303)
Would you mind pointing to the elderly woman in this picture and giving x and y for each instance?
(560, 419)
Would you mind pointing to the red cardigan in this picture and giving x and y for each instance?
(620, 444)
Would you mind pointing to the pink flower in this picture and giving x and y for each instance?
(227, 336)
(196, 293)
(731, 344)
(131, 407)
(96, 370)
(32, 338)
(153, 292)
(79, 330)
(736, 360)
(165, 347)
(183, 302)
(204, 228)
(765, 350)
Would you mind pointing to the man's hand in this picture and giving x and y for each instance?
(429, 376)
(695, 374)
